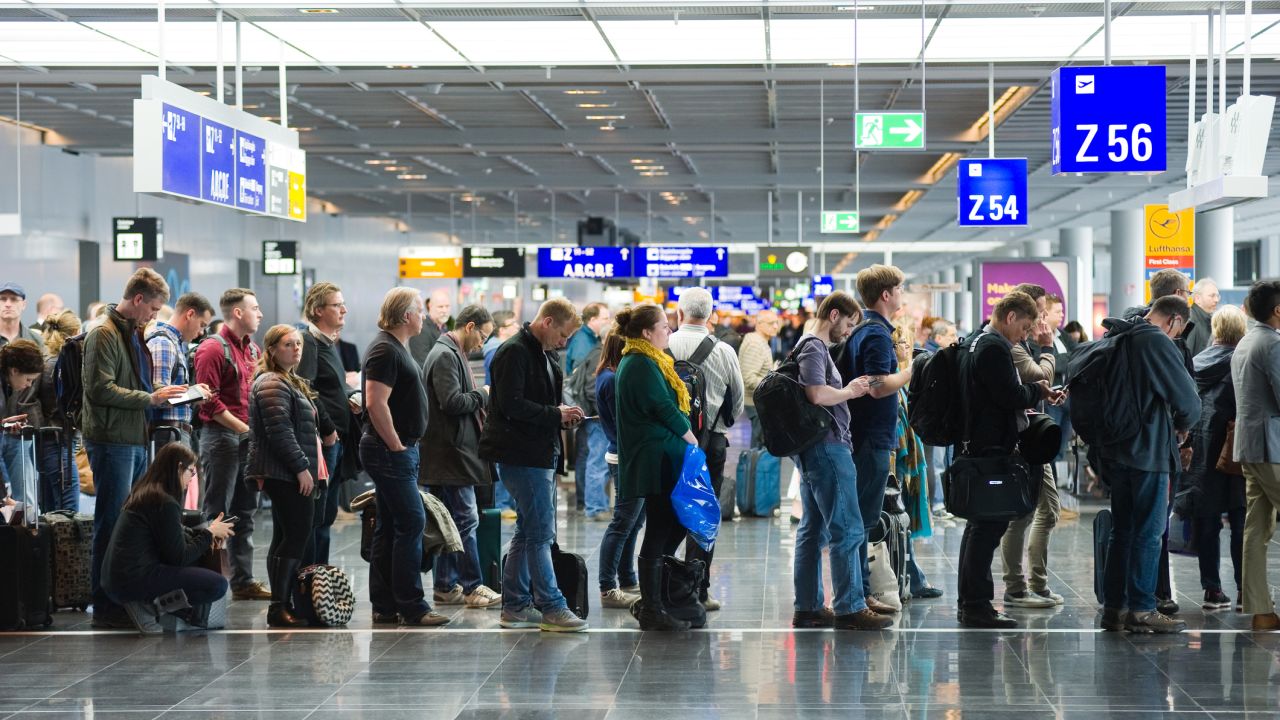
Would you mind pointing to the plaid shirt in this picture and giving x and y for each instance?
(168, 367)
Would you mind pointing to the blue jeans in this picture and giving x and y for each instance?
(597, 469)
(528, 577)
(395, 562)
(828, 490)
(326, 508)
(501, 498)
(115, 469)
(618, 546)
(461, 568)
(59, 477)
(873, 477)
(1139, 513)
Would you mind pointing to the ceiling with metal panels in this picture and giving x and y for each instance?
(696, 122)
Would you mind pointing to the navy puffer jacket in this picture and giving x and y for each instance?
(282, 430)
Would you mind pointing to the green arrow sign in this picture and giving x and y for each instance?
(888, 131)
(840, 221)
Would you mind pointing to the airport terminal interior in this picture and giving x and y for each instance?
(613, 154)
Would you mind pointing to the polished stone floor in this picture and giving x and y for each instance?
(747, 664)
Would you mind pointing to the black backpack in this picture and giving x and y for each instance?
(1104, 406)
(68, 382)
(790, 424)
(690, 371)
(933, 398)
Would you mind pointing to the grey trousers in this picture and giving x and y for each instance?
(1040, 523)
(222, 463)
(1262, 500)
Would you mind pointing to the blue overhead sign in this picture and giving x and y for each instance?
(218, 160)
(180, 151)
(682, 262)
(822, 286)
(594, 263)
(251, 172)
(1109, 119)
(992, 193)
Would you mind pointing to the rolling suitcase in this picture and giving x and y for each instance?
(1101, 547)
(728, 496)
(489, 541)
(894, 531)
(572, 577)
(72, 546)
(759, 480)
(26, 550)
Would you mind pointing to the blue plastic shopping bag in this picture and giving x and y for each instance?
(694, 499)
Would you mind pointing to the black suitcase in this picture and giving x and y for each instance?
(1101, 547)
(489, 542)
(26, 550)
(571, 576)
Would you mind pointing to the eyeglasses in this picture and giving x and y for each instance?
(335, 305)
(483, 337)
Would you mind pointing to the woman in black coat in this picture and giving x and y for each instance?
(284, 457)
(1207, 492)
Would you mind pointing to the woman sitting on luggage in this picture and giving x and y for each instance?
(21, 363)
(653, 431)
(618, 546)
(284, 453)
(151, 554)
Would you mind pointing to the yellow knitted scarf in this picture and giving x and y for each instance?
(665, 363)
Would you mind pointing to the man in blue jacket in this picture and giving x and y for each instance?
(1138, 470)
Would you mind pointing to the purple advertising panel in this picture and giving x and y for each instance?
(997, 278)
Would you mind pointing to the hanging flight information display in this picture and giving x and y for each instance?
(187, 145)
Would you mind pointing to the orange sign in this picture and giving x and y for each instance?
(657, 297)
(431, 268)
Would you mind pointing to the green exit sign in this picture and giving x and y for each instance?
(888, 131)
(840, 221)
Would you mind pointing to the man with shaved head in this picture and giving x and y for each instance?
(756, 360)
(439, 306)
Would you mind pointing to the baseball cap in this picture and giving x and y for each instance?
(14, 288)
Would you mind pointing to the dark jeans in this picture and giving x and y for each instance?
(326, 511)
(664, 532)
(717, 449)
(292, 518)
(115, 469)
(618, 546)
(461, 568)
(1208, 532)
(59, 477)
(872, 466)
(581, 450)
(201, 585)
(1139, 512)
(222, 460)
(976, 589)
(395, 563)
(757, 429)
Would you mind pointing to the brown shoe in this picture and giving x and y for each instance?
(253, 591)
(879, 608)
(864, 619)
(1266, 622)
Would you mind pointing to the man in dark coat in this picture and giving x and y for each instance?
(1205, 300)
(451, 446)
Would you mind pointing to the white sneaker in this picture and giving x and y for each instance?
(482, 598)
(1026, 599)
(453, 597)
(617, 599)
(1051, 595)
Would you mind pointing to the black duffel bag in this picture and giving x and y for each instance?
(990, 487)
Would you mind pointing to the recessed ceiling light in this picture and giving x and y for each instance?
(379, 162)
(608, 128)
(585, 92)
(641, 161)
(318, 11)
(597, 105)
(411, 177)
(606, 117)
(402, 67)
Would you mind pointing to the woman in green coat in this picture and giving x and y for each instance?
(653, 432)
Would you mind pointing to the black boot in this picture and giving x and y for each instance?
(284, 573)
(681, 581)
(651, 612)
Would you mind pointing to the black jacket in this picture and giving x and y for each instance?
(322, 366)
(420, 345)
(523, 424)
(1200, 333)
(282, 430)
(995, 397)
(450, 448)
(147, 537)
(1211, 492)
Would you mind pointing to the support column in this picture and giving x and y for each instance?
(1011, 251)
(948, 309)
(964, 299)
(1216, 246)
(1039, 249)
(1126, 261)
(1077, 242)
(1269, 257)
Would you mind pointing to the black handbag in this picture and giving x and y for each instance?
(994, 488)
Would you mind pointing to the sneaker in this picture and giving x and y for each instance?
(508, 514)
(430, 618)
(144, 617)
(1153, 622)
(562, 620)
(822, 618)
(1166, 606)
(255, 590)
(1050, 595)
(1025, 599)
(482, 598)
(453, 596)
(1215, 600)
(381, 618)
(710, 604)
(602, 516)
(940, 512)
(523, 619)
(617, 599)
(927, 592)
(987, 620)
(1112, 619)
(864, 619)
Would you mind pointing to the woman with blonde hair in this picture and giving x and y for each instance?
(284, 458)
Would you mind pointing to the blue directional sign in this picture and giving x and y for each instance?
(180, 151)
(821, 286)
(1109, 119)
(218, 162)
(584, 262)
(682, 262)
(251, 172)
(992, 193)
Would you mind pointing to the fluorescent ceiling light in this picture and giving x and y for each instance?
(411, 177)
(50, 43)
(606, 117)
(585, 92)
(941, 167)
(831, 41)
(515, 42)
(318, 11)
(1008, 102)
(1010, 39)
(363, 43)
(589, 106)
(1170, 36)
(911, 197)
(686, 43)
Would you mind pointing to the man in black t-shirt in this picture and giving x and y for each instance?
(395, 419)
